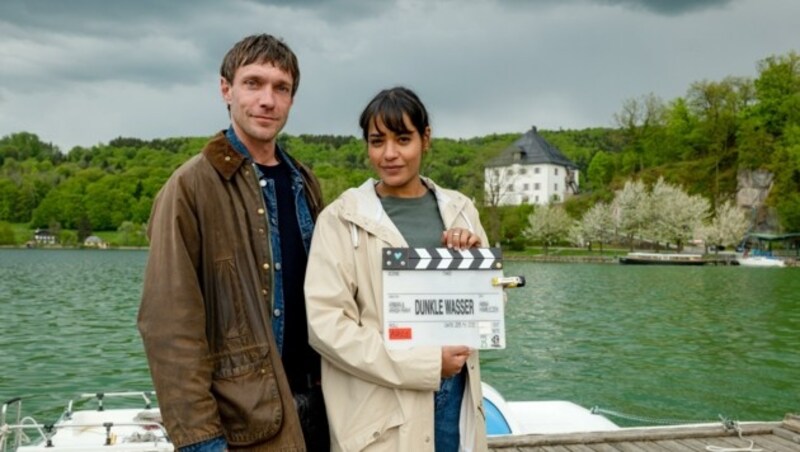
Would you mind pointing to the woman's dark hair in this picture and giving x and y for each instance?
(389, 105)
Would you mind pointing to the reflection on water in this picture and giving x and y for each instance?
(659, 342)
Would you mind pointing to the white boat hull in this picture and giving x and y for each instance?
(760, 261)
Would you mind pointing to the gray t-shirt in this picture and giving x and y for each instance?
(418, 219)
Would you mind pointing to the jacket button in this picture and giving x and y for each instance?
(266, 266)
(262, 182)
(264, 291)
(227, 158)
(261, 211)
(263, 371)
(277, 312)
(278, 266)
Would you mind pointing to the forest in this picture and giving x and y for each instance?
(697, 142)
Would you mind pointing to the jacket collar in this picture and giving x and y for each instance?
(362, 207)
(222, 156)
(227, 161)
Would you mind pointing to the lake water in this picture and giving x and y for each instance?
(652, 342)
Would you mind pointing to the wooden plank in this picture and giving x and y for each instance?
(728, 442)
(697, 443)
(605, 447)
(557, 449)
(579, 448)
(631, 434)
(773, 443)
(787, 434)
(655, 446)
(628, 447)
(672, 444)
(764, 442)
(792, 422)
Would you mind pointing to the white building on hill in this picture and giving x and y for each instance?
(530, 171)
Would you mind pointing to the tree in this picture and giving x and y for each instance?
(132, 234)
(7, 236)
(728, 226)
(629, 209)
(68, 238)
(719, 107)
(549, 225)
(640, 120)
(9, 193)
(677, 217)
(498, 186)
(597, 225)
(778, 92)
(601, 170)
(789, 212)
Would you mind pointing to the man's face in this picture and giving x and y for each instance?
(259, 98)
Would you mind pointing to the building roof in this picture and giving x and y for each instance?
(531, 149)
(768, 237)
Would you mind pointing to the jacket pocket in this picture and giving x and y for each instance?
(381, 416)
(226, 320)
(249, 402)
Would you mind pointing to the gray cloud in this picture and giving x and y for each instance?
(84, 71)
(670, 7)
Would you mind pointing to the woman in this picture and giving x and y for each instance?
(423, 398)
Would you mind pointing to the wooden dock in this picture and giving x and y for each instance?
(766, 436)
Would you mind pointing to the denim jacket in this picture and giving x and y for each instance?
(304, 220)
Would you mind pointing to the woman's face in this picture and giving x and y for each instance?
(397, 158)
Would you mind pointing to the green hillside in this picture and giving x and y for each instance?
(699, 141)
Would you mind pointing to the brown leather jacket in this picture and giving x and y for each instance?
(205, 316)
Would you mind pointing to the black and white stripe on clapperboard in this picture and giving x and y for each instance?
(442, 259)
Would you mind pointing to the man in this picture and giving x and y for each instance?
(223, 315)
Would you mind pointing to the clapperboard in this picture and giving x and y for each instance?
(440, 296)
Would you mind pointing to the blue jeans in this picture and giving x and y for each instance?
(447, 411)
(210, 445)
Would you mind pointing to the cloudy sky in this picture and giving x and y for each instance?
(82, 72)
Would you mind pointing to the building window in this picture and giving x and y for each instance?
(525, 199)
(555, 187)
(522, 171)
(537, 186)
(536, 198)
(496, 173)
(510, 187)
(556, 171)
(556, 198)
(526, 187)
(536, 170)
(510, 172)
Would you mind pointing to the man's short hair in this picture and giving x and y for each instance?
(261, 49)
